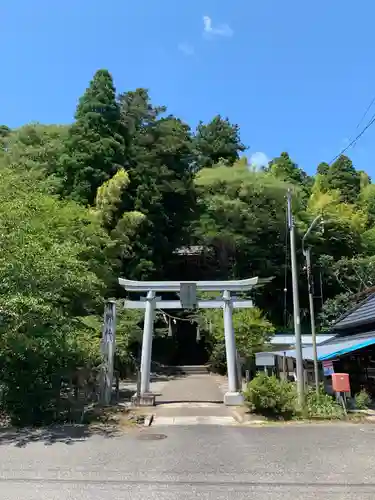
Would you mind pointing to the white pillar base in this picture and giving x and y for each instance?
(144, 399)
(233, 399)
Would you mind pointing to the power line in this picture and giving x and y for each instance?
(365, 113)
(372, 120)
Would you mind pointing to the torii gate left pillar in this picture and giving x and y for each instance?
(147, 343)
(151, 302)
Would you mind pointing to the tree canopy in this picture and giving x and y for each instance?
(130, 189)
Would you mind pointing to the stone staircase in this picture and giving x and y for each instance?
(193, 369)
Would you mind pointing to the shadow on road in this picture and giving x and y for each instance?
(68, 434)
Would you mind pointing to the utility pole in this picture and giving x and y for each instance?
(296, 310)
(307, 254)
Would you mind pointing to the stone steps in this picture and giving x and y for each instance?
(193, 369)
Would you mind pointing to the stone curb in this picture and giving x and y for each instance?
(183, 421)
(238, 417)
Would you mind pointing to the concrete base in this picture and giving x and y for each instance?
(233, 399)
(147, 399)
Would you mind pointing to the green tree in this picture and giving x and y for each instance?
(367, 202)
(243, 221)
(365, 179)
(284, 168)
(95, 144)
(121, 226)
(333, 308)
(54, 271)
(323, 168)
(252, 332)
(343, 177)
(38, 147)
(343, 222)
(159, 159)
(217, 140)
(4, 131)
(368, 242)
(4, 135)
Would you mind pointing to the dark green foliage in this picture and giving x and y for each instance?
(362, 400)
(322, 406)
(4, 134)
(159, 159)
(95, 146)
(153, 187)
(4, 131)
(275, 397)
(323, 168)
(342, 175)
(271, 396)
(334, 308)
(217, 140)
(285, 169)
(54, 269)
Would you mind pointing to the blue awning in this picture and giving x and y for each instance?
(338, 346)
(346, 349)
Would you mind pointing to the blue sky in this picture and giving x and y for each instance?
(295, 75)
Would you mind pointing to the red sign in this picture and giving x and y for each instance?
(340, 382)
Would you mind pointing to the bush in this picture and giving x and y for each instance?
(218, 359)
(322, 406)
(270, 395)
(362, 400)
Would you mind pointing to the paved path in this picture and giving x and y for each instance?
(157, 384)
(191, 388)
(190, 400)
(302, 462)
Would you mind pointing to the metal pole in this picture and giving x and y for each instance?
(312, 317)
(307, 254)
(296, 310)
(147, 343)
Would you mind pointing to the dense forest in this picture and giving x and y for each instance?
(130, 190)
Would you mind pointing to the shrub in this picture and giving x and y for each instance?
(322, 406)
(362, 400)
(270, 395)
(218, 359)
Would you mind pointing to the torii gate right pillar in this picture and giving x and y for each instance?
(234, 396)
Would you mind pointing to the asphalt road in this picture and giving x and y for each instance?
(335, 462)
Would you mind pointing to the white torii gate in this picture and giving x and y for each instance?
(189, 300)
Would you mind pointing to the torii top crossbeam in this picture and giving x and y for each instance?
(206, 286)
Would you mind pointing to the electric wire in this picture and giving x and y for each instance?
(365, 113)
(354, 141)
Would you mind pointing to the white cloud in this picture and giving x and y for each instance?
(220, 30)
(186, 49)
(259, 159)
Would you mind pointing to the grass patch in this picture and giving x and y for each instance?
(117, 417)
